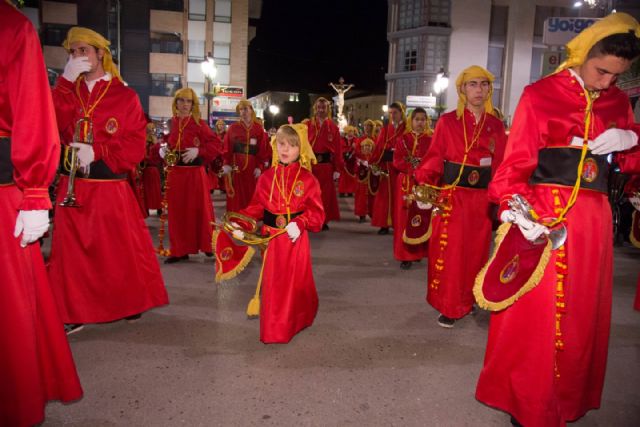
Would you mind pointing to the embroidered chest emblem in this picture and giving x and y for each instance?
(492, 144)
(111, 126)
(298, 189)
(226, 254)
(510, 270)
(196, 142)
(589, 170)
(474, 177)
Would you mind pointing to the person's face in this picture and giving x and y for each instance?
(246, 113)
(395, 115)
(287, 153)
(220, 127)
(419, 122)
(368, 129)
(83, 49)
(476, 91)
(184, 106)
(351, 134)
(322, 109)
(600, 72)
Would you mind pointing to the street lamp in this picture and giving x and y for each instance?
(274, 110)
(209, 69)
(439, 87)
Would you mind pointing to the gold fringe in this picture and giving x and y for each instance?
(531, 283)
(253, 309)
(632, 238)
(246, 259)
(418, 240)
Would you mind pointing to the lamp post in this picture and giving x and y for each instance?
(385, 110)
(274, 110)
(209, 70)
(439, 86)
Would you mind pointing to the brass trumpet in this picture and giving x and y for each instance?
(248, 226)
(70, 200)
(234, 169)
(377, 170)
(438, 197)
(557, 234)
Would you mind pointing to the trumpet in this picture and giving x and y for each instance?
(234, 168)
(172, 157)
(70, 200)
(438, 197)
(557, 234)
(377, 170)
(248, 226)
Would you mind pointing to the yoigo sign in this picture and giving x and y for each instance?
(558, 31)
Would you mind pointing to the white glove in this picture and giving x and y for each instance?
(635, 201)
(256, 172)
(190, 154)
(32, 225)
(613, 140)
(530, 230)
(238, 234)
(293, 231)
(163, 151)
(364, 163)
(226, 169)
(75, 67)
(85, 155)
(424, 206)
(336, 175)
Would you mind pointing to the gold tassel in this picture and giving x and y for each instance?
(253, 309)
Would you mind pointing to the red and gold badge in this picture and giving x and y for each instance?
(473, 177)
(196, 142)
(416, 221)
(281, 221)
(589, 170)
(226, 254)
(111, 126)
(298, 189)
(492, 144)
(510, 270)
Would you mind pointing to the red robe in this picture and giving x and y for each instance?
(363, 199)
(466, 229)
(241, 184)
(348, 181)
(152, 191)
(189, 205)
(103, 265)
(383, 214)
(214, 167)
(325, 140)
(632, 186)
(35, 361)
(289, 299)
(524, 374)
(414, 146)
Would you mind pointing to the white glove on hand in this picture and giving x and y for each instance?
(364, 163)
(293, 231)
(163, 151)
(530, 230)
(613, 140)
(635, 201)
(336, 175)
(238, 234)
(256, 172)
(226, 169)
(424, 206)
(85, 155)
(75, 67)
(32, 225)
(190, 154)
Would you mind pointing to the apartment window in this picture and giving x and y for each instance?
(293, 97)
(196, 51)
(438, 13)
(411, 14)
(408, 48)
(405, 87)
(173, 5)
(165, 43)
(436, 53)
(222, 11)
(222, 53)
(197, 10)
(54, 34)
(165, 84)
(495, 59)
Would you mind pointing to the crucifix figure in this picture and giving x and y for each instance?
(341, 89)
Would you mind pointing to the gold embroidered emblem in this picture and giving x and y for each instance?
(416, 221)
(474, 177)
(111, 126)
(298, 189)
(492, 144)
(589, 170)
(281, 221)
(510, 271)
(226, 254)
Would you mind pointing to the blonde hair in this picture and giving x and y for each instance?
(289, 134)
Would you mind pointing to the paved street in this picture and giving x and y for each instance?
(374, 356)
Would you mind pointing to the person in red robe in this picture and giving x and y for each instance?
(151, 183)
(103, 265)
(364, 147)
(324, 137)
(382, 167)
(547, 353)
(214, 168)
(467, 145)
(36, 365)
(347, 183)
(407, 156)
(192, 144)
(244, 154)
(287, 200)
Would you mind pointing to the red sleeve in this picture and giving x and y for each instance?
(498, 152)
(313, 216)
(28, 113)
(264, 150)
(227, 152)
(255, 208)
(210, 146)
(400, 154)
(629, 161)
(338, 160)
(432, 165)
(64, 98)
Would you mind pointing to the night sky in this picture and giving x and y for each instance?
(302, 45)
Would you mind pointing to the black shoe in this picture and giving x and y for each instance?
(72, 328)
(515, 422)
(362, 219)
(208, 254)
(383, 231)
(174, 259)
(134, 318)
(159, 212)
(405, 265)
(325, 227)
(446, 322)
(474, 310)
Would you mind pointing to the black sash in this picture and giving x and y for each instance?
(323, 157)
(242, 148)
(472, 176)
(560, 165)
(275, 220)
(387, 156)
(6, 167)
(98, 170)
